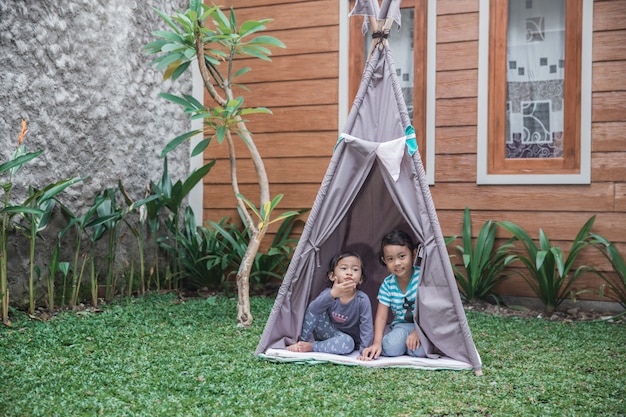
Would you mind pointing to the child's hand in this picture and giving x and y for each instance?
(345, 289)
(371, 352)
(412, 341)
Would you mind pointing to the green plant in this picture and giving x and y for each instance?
(171, 196)
(273, 263)
(191, 39)
(551, 275)
(35, 221)
(204, 255)
(617, 287)
(483, 265)
(12, 166)
(136, 228)
(112, 213)
(81, 225)
(266, 266)
(64, 267)
(53, 268)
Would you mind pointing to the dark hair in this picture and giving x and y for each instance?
(395, 237)
(341, 255)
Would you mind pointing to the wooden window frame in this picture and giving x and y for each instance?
(422, 113)
(573, 167)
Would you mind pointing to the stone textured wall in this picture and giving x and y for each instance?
(75, 71)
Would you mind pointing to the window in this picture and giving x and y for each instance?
(535, 91)
(413, 48)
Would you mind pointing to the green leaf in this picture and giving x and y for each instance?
(180, 70)
(208, 11)
(266, 41)
(257, 52)
(186, 21)
(54, 189)
(256, 110)
(221, 21)
(22, 210)
(173, 47)
(275, 202)
(47, 206)
(196, 177)
(169, 36)
(177, 141)
(102, 220)
(193, 101)
(19, 161)
(251, 26)
(241, 72)
(176, 99)
(167, 59)
(236, 102)
(250, 205)
(467, 258)
(467, 232)
(156, 46)
(201, 146)
(166, 19)
(142, 202)
(544, 242)
(220, 133)
(558, 258)
(233, 20)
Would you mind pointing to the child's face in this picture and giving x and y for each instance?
(399, 261)
(347, 269)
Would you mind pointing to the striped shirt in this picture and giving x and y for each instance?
(391, 296)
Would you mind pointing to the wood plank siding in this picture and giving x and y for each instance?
(301, 87)
(560, 210)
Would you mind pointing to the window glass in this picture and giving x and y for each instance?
(535, 79)
(534, 92)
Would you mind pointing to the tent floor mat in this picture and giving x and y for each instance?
(405, 361)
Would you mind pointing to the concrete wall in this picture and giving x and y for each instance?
(75, 71)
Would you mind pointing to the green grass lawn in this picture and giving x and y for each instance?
(156, 356)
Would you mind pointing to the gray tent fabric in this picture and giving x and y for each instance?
(375, 183)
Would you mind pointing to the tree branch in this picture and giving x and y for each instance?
(235, 184)
(206, 78)
(259, 167)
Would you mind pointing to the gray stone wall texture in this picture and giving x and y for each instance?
(75, 71)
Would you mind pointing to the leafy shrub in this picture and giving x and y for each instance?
(202, 252)
(268, 265)
(551, 276)
(274, 262)
(616, 288)
(210, 255)
(483, 265)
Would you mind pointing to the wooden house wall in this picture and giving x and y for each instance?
(300, 85)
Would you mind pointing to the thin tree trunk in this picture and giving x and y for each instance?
(244, 316)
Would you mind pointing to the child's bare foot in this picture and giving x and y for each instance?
(301, 347)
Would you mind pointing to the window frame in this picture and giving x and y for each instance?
(424, 45)
(575, 166)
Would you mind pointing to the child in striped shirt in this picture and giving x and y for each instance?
(397, 294)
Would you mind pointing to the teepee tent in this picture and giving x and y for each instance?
(375, 183)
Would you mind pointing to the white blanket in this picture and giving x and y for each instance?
(283, 355)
